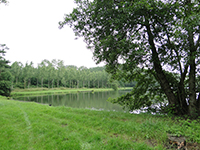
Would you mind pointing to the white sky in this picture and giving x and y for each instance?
(30, 29)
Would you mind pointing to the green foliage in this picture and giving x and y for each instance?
(114, 85)
(5, 83)
(19, 85)
(188, 128)
(54, 73)
(5, 75)
(3, 61)
(161, 36)
(5, 89)
(145, 93)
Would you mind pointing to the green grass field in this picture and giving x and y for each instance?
(32, 126)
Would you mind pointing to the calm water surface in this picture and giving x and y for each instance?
(96, 100)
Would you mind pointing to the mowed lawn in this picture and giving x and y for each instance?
(32, 126)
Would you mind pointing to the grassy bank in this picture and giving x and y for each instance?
(45, 91)
(34, 126)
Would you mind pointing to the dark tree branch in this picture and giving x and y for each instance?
(158, 68)
(197, 43)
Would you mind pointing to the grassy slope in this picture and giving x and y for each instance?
(27, 125)
(43, 91)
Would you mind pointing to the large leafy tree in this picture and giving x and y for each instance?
(161, 36)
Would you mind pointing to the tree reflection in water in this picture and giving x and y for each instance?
(92, 100)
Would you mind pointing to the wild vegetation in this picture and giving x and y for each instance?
(162, 37)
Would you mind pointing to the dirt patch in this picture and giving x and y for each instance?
(180, 142)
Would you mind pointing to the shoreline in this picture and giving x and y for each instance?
(46, 91)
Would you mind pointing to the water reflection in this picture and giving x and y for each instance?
(96, 100)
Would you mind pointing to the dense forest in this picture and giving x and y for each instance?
(51, 74)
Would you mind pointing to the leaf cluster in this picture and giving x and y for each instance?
(160, 36)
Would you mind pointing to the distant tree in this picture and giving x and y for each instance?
(5, 82)
(3, 61)
(28, 72)
(64, 79)
(5, 75)
(83, 75)
(89, 74)
(37, 75)
(16, 70)
(156, 35)
(51, 73)
(71, 75)
(114, 85)
(60, 70)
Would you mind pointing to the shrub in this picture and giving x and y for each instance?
(5, 83)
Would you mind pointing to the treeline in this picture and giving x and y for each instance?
(51, 74)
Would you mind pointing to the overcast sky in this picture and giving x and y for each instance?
(30, 29)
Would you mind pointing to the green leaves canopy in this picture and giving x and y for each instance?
(5, 75)
(5, 83)
(156, 35)
(116, 30)
(3, 61)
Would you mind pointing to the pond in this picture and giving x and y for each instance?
(95, 100)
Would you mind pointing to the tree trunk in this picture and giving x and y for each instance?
(160, 76)
(42, 82)
(192, 71)
(37, 82)
(94, 86)
(12, 85)
(48, 84)
(58, 83)
(52, 83)
(24, 83)
(29, 82)
(198, 103)
(182, 97)
(71, 81)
